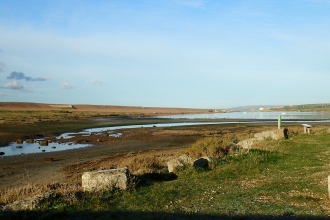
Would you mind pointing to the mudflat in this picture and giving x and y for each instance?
(21, 120)
(31, 120)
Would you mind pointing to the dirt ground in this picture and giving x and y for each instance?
(105, 152)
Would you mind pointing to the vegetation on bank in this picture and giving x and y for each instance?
(305, 108)
(284, 178)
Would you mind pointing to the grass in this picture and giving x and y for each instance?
(282, 178)
(306, 108)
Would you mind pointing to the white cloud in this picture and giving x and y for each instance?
(66, 85)
(96, 82)
(15, 85)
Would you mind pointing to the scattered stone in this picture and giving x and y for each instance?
(275, 134)
(179, 162)
(19, 147)
(31, 203)
(201, 163)
(29, 141)
(53, 147)
(43, 143)
(286, 133)
(19, 141)
(105, 179)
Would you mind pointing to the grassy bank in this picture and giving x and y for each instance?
(277, 179)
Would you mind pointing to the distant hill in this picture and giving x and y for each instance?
(253, 107)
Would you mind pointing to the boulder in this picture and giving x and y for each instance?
(43, 143)
(201, 163)
(105, 179)
(31, 203)
(179, 162)
(19, 141)
(30, 141)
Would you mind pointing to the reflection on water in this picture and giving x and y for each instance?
(28, 148)
(257, 115)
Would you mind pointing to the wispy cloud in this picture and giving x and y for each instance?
(96, 82)
(2, 66)
(15, 85)
(66, 85)
(21, 76)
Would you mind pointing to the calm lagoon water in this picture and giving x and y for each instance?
(27, 148)
(256, 115)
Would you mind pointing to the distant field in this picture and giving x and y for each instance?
(101, 109)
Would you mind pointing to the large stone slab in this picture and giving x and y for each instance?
(179, 162)
(32, 203)
(275, 134)
(105, 179)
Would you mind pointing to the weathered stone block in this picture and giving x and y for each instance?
(31, 203)
(105, 179)
(179, 162)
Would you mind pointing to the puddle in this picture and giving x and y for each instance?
(28, 148)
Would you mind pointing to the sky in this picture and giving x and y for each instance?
(165, 53)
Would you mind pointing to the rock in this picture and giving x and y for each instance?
(201, 163)
(30, 141)
(43, 143)
(246, 144)
(19, 141)
(275, 134)
(31, 203)
(179, 162)
(2, 153)
(18, 146)
(105, 179)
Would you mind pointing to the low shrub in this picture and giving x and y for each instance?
(210, 146)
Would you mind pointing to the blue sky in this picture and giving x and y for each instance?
(166, 53)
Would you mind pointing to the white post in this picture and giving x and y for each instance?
(279, 122)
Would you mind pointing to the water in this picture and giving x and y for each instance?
(27, 148)
(256, 115)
